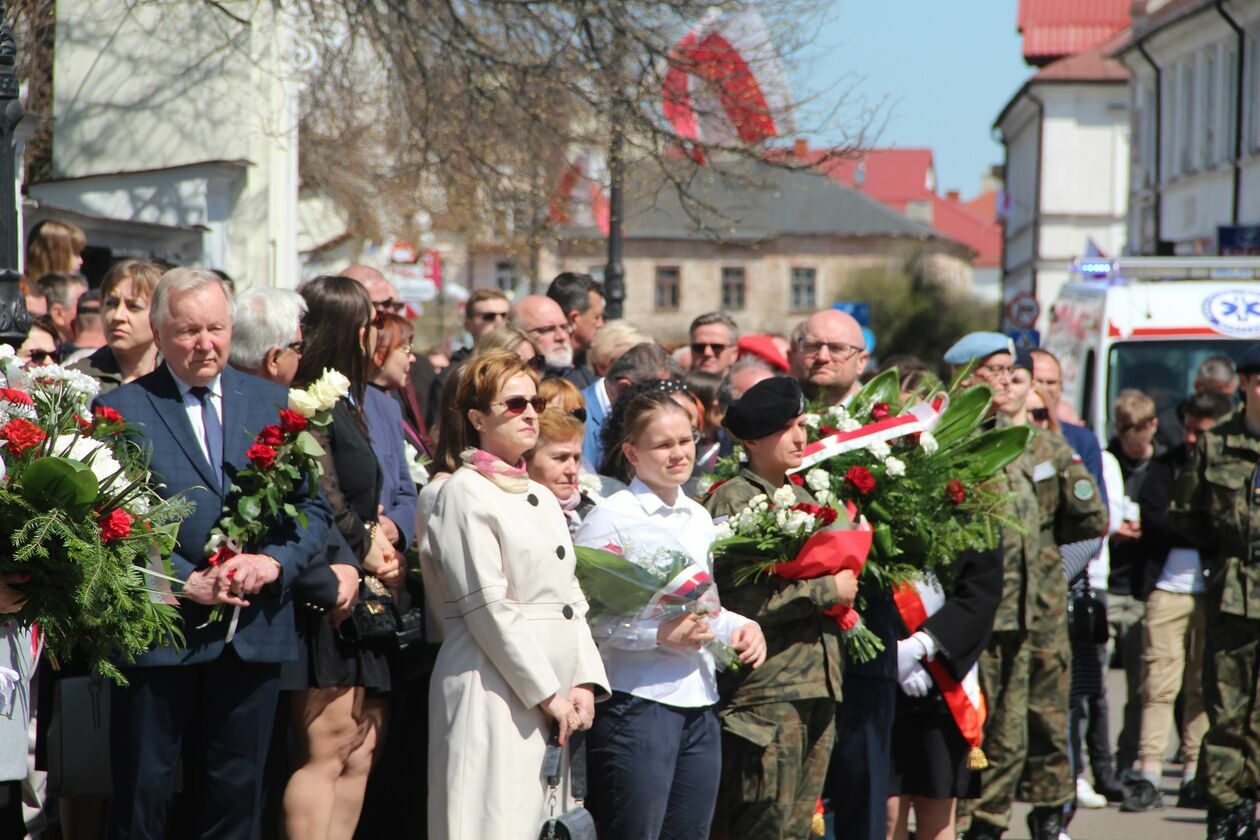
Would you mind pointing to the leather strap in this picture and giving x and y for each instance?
(577, 763)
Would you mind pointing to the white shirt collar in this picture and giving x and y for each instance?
(212, 385)
(653, 504)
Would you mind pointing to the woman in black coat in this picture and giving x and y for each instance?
(929, 753)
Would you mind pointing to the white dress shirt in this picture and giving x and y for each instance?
(640, 523)
(192, 406)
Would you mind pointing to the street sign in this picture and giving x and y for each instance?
(1025, 339)
(1023, 310)
(859, 309)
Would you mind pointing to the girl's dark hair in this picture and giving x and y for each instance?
(633, 410)
(334, 330)
(449, 429)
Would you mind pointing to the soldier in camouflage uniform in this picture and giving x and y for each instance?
(777, 721)
(1218, 493)
(1024, 671)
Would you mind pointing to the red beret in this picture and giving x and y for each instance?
(763, 348)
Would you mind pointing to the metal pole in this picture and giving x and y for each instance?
(615, 272)
(15, 320)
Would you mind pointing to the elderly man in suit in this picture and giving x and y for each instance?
(213, 699)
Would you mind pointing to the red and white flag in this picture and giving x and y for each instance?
(725, 83)
(586, 174)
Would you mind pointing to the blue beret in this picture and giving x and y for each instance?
(977, 345)
(1249, 362)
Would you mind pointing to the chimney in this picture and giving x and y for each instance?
(800, 149)
(952, 195)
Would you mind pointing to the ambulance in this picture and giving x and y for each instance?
(1148, 323)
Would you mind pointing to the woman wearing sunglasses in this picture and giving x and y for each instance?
(518, 662)
(39, 348)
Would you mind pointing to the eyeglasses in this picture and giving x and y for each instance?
(40, 357)
(579, 413)
(517, 405)
(698, 348)
(810, 347)
(489, 317)
(536, 363)
(997, 370)
(389, 305)
(298, 347)
(1041, 415)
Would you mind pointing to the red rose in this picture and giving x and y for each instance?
(116, 525)
(955, 492)
(105, 414)
(271, 436)
(860, 479)
(292, 422)
(880, 411)
(262, 455)
(15, 396)
(20, 435)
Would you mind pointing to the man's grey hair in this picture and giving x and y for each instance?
(725, 392)
(1216, 370)
(56, 287)
(643, 362)
(180, 280)
(716, 318)
(262, 319)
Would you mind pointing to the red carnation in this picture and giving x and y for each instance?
(955, 492)
(262, 455)
(271, 436)
(20, 435)
(828, 515)
(116, 525)
(797, 479)
(292, 422)
(15, 396)
(880, 411)
(860, 479)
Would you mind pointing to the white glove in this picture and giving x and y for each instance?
(918, 682)
(911, 650)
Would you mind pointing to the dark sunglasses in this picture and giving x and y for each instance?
(537, 363)
(487, 317)
(390, 305)
(39, 357)
(698, 347)
(579, 413)
(1041, 415)
(517, 405)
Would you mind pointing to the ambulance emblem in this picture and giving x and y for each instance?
(1234, 312)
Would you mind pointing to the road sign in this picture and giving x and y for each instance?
(859, 309)
(1023, 310)
(1025, 339)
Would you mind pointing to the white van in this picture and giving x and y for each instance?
(1148, 323)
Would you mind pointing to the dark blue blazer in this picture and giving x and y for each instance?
(266, 631)
(398, 491)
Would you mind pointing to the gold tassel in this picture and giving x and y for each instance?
(976, 759)
(818, 826)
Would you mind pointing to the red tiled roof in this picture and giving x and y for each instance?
(960, 223)
(887, 175)
(984, 205)
(1056, 28)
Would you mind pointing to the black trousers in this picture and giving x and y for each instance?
(219, 715)
(861, 767)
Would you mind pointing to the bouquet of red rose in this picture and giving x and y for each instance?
(87, 538)
(800, 541)
(282, 457)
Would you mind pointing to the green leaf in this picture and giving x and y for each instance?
(985, 454)
(964, 413)
(308, 445)
(883, 388)
(249, 507)
(59, 482)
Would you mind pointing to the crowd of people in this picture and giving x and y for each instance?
(412, 653)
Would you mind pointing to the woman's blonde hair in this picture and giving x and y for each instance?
(50, 247)
(144, 277)
(556, 424)
(504, 338)
(561, 394)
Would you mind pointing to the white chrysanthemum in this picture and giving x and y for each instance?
(724, 530)
(799, 523)
(746, 521)
(95, 454)
(812, 420)
(303, 403)
(784, 497)
(848, 424)
(80, 384)
(879, 449)
(928, 443)
(817, 480)
(895, 467)
(589, 484)
(837, 413)
(138, 504)
(759, 503)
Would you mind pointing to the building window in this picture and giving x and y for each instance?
(667, 291)
(733, 288)
(505, 277)
(803, 292)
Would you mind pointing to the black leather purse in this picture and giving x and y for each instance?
(575, 823)
(374, 616)
(1087, 617)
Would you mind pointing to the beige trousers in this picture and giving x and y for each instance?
(1173, 628)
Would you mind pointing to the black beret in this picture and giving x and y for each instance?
(765, 408)
(1249, 362)
(1023, 359)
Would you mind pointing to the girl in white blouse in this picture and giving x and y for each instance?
(655, 749)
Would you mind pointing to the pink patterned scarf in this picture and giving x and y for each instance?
(512, 479)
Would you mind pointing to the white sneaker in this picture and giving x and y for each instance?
(1086, 796)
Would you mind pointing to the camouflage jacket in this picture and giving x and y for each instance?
(803, 659)
(1216, 493)
(1057, 502)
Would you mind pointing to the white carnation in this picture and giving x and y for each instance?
(817, 480)
(848, 424)
(928, 443)
(812, 420)
(879, 449)
(823, 497)
(80, 384)
(895, 467)
(784, 496)
(95, 454)
(837, 413)
(590, 484)
(799, 523)
(303, 403)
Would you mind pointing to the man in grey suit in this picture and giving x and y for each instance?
(213, 700)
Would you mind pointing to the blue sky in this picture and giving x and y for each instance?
(943, 69)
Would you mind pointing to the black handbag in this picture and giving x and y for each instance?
(1087, 617)
(577, 822)
(374, 616)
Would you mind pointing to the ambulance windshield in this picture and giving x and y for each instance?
(1163, 370)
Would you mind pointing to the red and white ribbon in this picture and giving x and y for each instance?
(918, 418)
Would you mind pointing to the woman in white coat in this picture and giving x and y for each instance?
(518, 660)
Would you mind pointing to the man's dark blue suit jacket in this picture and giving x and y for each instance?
(266, 631)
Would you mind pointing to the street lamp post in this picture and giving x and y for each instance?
(14, 319)
(615, 272)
